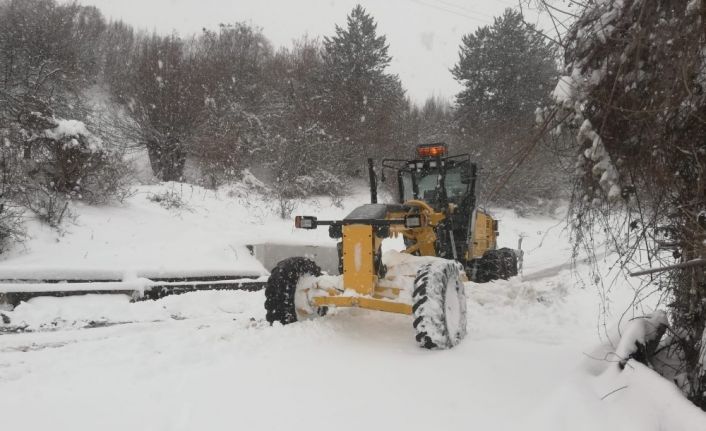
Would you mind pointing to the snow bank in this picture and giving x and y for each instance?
(206, 236)
(634, 399)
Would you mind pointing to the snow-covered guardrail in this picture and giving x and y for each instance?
(13, 293)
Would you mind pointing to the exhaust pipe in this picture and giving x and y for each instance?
(373, 182)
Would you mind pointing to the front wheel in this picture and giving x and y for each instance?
(439, 308)
(285, 302)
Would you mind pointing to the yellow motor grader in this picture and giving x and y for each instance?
(448, 241)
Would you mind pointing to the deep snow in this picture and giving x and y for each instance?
(206, 235)
(208, 360)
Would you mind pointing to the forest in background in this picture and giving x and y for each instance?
(208, 106)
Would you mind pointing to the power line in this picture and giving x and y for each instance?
(464, 9)
(451, 11)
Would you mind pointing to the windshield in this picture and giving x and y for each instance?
(427, 185)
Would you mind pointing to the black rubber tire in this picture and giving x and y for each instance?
(281, 289)
(510, 258)
(492, 266)
(439, 309)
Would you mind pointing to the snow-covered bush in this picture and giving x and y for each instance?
(226, 146)
(11, 220)
(169, 199)
(288, 191)
(51, 57)
(60, 160)
(634, 96)
(11, 224)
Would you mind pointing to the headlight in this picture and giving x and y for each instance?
(305, 222)
(413, 221)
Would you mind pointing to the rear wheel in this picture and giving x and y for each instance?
(510, 260)
(285, 300)
(439, 308)
(495, 264)
(488, 268)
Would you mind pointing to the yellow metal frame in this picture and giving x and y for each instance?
(361, 245)
(363, 302)
(424, 237)
(359, 248)
(484, 236)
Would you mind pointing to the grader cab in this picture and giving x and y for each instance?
(448, 241)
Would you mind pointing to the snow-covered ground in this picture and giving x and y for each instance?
(206, 234)
(209, 361)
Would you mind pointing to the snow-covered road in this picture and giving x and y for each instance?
(224, 368)
(209, 361)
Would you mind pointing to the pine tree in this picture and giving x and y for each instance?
(356, 53)
(507, 70)
(363, 99)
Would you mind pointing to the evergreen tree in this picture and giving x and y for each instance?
(436, 121)
(506, 70)
(363, 100)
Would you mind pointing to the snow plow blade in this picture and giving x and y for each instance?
(270, 254)
(13, 293)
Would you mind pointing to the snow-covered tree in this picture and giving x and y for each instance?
(165, 98)
(436, 122)
(300, 157)
(507, 70)
(634, 96)
(49, 57)
(363, 101)
(238, 98)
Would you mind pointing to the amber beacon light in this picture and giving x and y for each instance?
(432, 150)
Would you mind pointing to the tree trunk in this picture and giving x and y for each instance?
(167, 159)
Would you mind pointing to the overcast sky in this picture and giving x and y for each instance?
(424, 35)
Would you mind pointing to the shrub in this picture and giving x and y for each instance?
(168, 199)
(57, 161)
(11, 227)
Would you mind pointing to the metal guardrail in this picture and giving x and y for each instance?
(17, 291)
